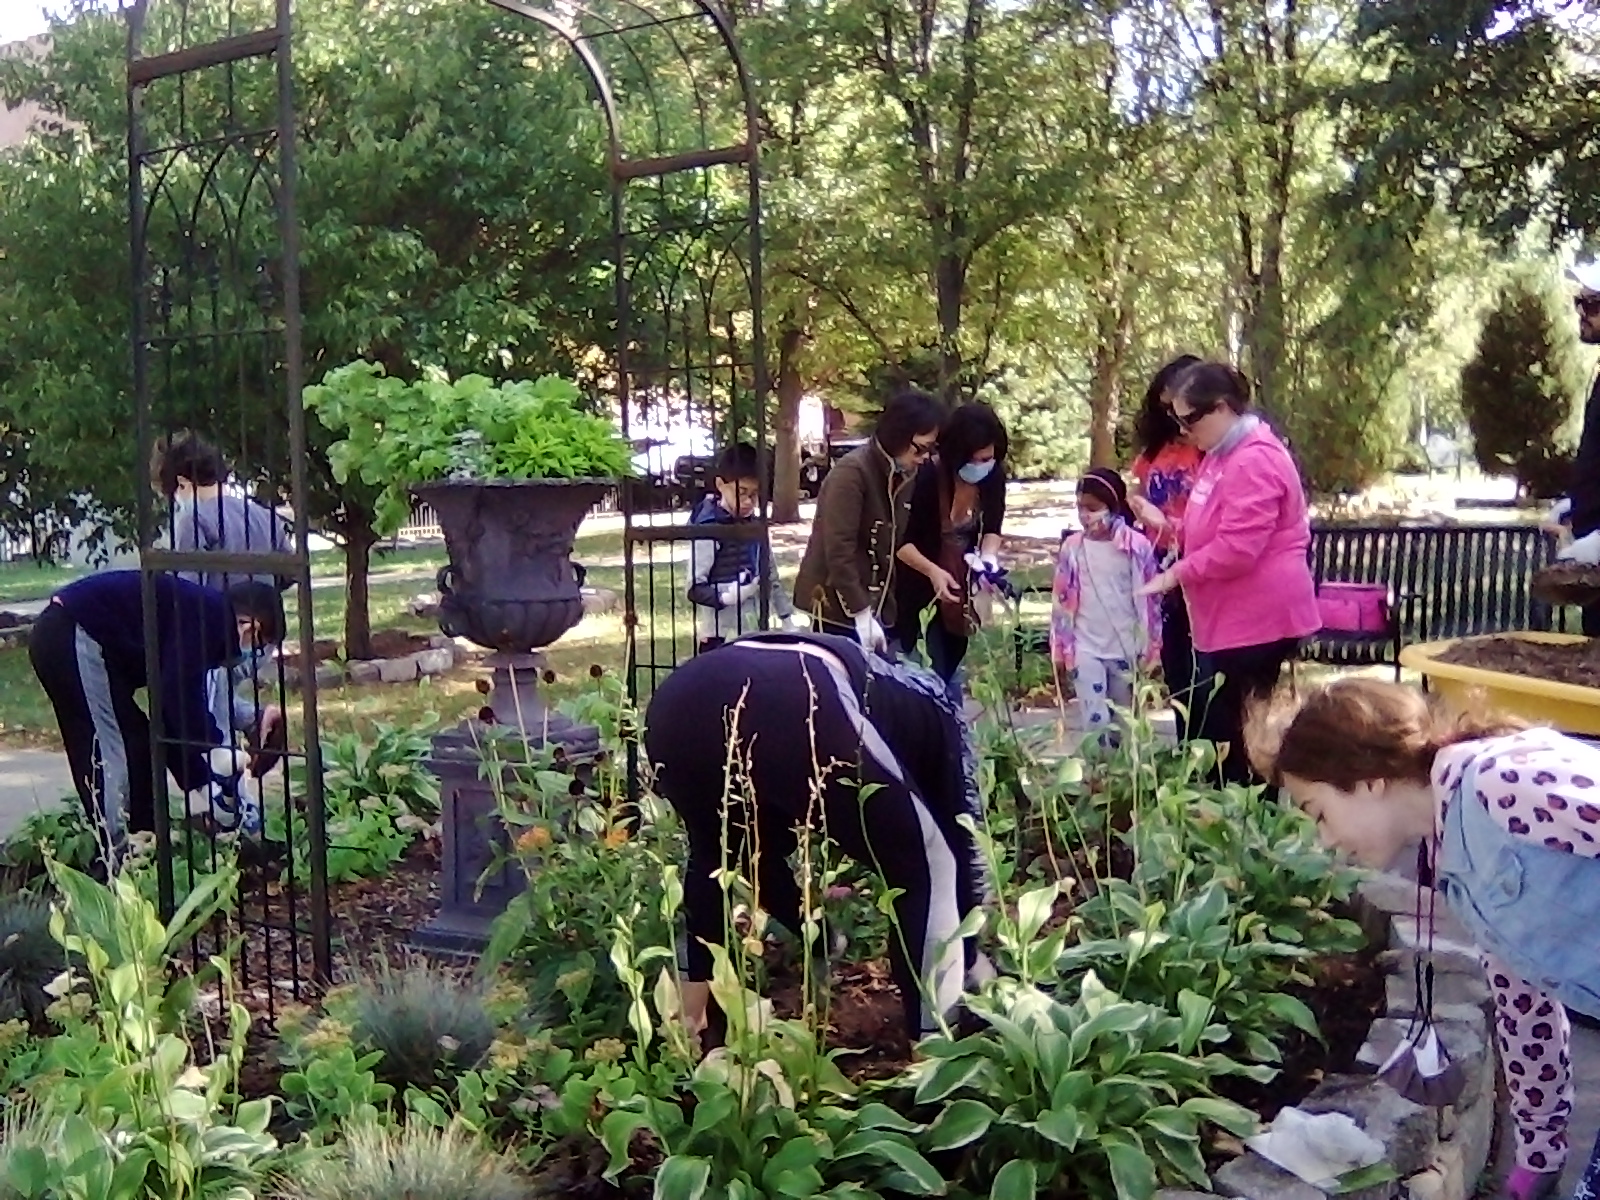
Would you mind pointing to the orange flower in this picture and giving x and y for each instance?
(615, 836)
(535, 837)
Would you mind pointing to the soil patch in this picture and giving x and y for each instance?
(397, 643)
(1347, 998)
(1573, 662)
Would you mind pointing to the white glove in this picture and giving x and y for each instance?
(1559, 512)
(1585, 550)
(226, 762)
(991, 563)
(974, 562)
(870, 633)
(734, 594)
(799, 622)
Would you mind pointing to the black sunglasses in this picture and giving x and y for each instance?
(1193, 417)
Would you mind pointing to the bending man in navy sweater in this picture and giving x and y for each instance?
(88, 650)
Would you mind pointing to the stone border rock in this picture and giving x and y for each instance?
(1437, 1153)
(442, 655)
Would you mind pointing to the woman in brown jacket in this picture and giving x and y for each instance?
(847, 574)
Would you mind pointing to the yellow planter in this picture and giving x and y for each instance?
(1564, 706)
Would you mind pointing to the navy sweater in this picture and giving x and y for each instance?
(195, 633)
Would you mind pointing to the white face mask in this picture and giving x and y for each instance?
(976, 472)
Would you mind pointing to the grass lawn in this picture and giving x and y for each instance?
(397, 578)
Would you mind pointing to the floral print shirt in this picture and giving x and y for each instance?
(1145, 622)
(1542, 786)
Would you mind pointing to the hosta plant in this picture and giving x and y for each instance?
(1204, 945)
(1102, 1097)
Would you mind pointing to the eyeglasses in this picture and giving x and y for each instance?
(1193, 417)
(923, 449)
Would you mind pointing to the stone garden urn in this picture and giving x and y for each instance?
(512, 588)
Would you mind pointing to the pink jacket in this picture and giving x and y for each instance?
(1245, 535)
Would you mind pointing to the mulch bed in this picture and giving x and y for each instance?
(1573, 662)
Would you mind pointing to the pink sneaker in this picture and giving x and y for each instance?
(1525, 1183)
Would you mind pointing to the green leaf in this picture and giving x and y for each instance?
(682, 1178)
(616, 1135)
(1362, 1178)
(880, 1116)
(961, 1122)
(1132, 1171)
(1017, 1180)
(1033, 910)
(1195, 1011)
(949, 1077)
(1293, 1010)
(1063, 1126)
(913, 1173)
(1224, 1114)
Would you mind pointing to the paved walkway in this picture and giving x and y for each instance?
(30, 780)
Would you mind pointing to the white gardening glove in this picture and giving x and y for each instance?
(226, 762)
(870, 633)
(1585, 550)
(974, 562)
(799, 622)
(747, 587)
(1559, 512)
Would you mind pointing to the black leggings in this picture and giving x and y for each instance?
(1178, 661)
(1248, 673)
(754, 741)
(106, 733)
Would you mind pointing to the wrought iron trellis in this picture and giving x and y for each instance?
(686, 227)
(216, 332)
(216, 353)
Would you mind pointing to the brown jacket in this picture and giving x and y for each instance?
(861, 518)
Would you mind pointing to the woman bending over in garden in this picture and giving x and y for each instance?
(1510, 818)
(779, 730)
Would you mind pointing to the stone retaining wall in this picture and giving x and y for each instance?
(1438, 1153)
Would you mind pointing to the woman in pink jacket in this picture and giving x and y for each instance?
(1244, 568)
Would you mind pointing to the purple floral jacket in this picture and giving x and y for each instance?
(1068, 586)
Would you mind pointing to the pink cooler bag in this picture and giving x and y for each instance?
(1354, 608)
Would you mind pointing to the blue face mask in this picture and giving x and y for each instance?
(976, 472)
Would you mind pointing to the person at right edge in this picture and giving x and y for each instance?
(846, 578)
(1580, 508)
(1244, 568)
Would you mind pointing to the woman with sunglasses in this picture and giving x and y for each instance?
(1243, 569)
(846, 579)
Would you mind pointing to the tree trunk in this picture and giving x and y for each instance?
(950, 286)
(1114, 331)
(786, 463)
(359, 539)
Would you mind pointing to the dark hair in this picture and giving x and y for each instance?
(907, 414)
(187, 456)
(739, 461)
(1155, 425)
(262, 602)
(1209, 385)
(1110, 488)
(967, 430)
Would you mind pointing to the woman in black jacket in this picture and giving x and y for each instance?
(958, 505)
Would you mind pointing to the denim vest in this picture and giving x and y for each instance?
(1531, 906)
